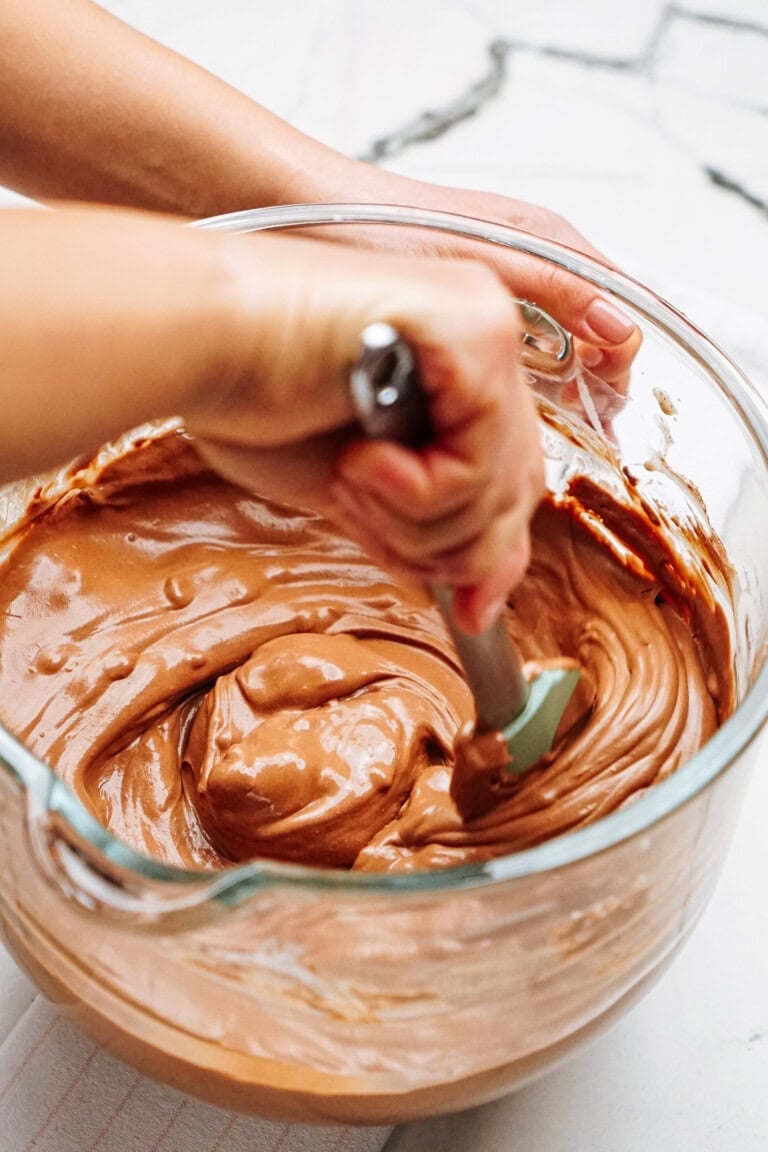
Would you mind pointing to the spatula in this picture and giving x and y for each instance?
(390, 404)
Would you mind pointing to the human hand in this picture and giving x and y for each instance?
(280, 419)
(215, 151)
(606, 339)
(114, 318)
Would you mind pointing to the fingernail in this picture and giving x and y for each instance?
(608, 322)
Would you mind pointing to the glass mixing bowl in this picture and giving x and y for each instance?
(322, 996)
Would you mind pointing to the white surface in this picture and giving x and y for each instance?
(610, 114)
(60, 1092)
(687, 1069)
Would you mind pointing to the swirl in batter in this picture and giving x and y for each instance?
(220, 678)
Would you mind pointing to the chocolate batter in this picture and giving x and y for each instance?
(221, 678)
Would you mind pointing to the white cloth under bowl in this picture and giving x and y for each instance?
(60, 1092)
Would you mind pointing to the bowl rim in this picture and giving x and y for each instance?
(720, 752)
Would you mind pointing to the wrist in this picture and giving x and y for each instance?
(312, 173)
(340, 179)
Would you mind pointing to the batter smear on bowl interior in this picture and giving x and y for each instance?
(221, 678)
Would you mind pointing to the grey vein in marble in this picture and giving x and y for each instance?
(720, 21)
(436, 122)
(724, 181)
(431, 124)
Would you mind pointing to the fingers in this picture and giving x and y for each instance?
(456, 512)
(459, 551)
(589, 314)
(428, 485)
(578, 305)
(607, 340)
(611, 364)
(297, 474)
(477, 606)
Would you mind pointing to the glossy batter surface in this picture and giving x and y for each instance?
(220, 678)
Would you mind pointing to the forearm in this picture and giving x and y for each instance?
(107, 319)
(93, 110)
(110, 318)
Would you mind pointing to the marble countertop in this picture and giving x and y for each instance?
(646, 124)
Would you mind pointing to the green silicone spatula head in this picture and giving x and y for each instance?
(390, 404)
